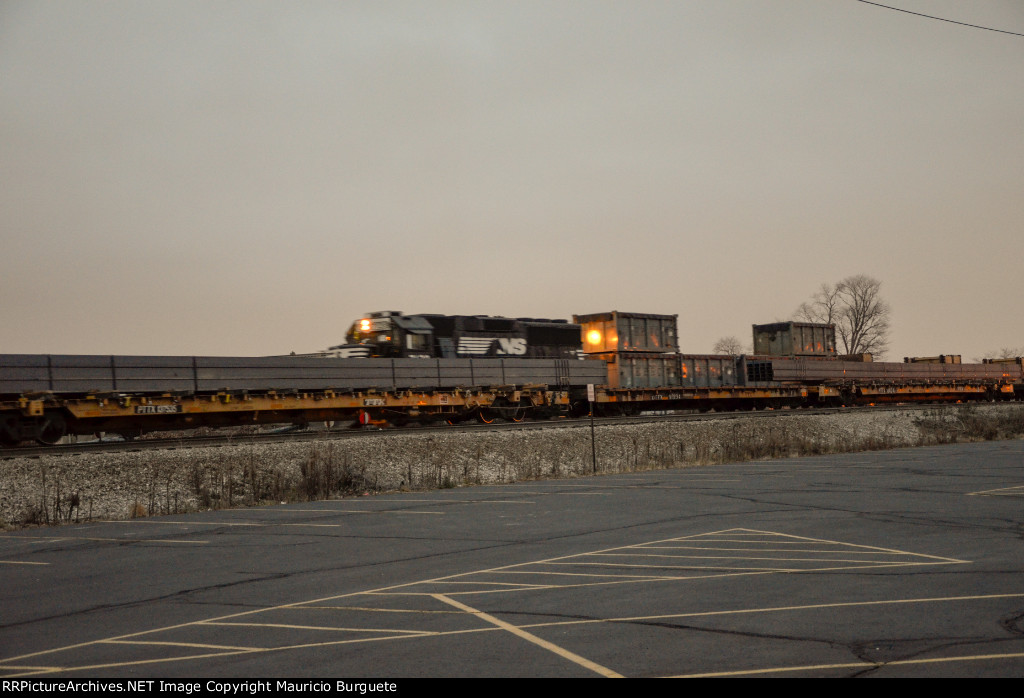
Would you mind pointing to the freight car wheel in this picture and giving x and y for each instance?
(52, 429)
(580, 408)
(10, 432)
(521, 412)
(399, 421)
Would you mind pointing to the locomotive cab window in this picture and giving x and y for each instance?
(416, 342)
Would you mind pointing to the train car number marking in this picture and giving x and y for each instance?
(373, 402)
(158, 409)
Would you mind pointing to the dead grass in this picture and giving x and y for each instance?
(44, 492)
(968, 423)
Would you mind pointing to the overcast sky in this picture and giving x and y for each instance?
(248, 178)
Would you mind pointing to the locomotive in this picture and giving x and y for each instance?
(390, 334)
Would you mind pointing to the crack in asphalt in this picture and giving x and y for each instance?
(862, 650)
(1013, 624)
(665, 624)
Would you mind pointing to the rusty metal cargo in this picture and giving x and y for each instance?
(709, 371)
(795, 339)
(616, 331)
(639, 369)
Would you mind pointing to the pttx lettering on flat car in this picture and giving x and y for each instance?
(158, 409)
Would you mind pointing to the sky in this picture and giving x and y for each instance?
(248, 178)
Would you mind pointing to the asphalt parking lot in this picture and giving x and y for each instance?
(895, 563)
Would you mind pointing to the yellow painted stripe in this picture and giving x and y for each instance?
(745, 541)
(779, 609)
(471, 592)
(499, 584)
(619, 579)
(396, 589)
(323, 627)
(1012, 491)
(530, 637)
(771, 534)
(549, 573)
(375, 609)
(765, 550)
(109, 665)
(745, 557)
(860, 566)
(183, 644)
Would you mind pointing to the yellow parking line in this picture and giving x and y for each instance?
(780, 609)
(732, 557)
(110, 665)
(471, 592)
(375, 609)
(321, 627)
(530, 637)
(1015, 491)
(768, 550)
(877, 565)
(826, 541)
(182, 644)
(687, 567)
(406, 589)
(638, 577)
(499, 584)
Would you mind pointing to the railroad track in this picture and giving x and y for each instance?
(339, 432)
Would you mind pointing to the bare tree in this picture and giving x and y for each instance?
(1004, 353)
(824, 306)
(857, 310)
(729, 345)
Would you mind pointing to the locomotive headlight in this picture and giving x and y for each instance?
(594, 337)
(364, 325)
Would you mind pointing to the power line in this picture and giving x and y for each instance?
(941, 19)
